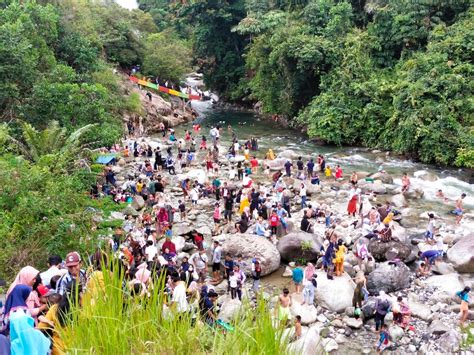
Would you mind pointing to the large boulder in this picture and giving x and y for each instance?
(450, 283)
(308, 344)
(334, 295)
(276, 164)
(414, 194)
(385, 251)
(307, 312)
(383, 177)
(461, 255)
(229, 308)
(299, 244)
(251, 246)
(378, 187)
(138, 202)
(426, 175)
(398, 200)
(195, 174)
(388, 278)
(288, 154)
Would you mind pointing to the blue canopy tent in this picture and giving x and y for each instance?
(107, 159)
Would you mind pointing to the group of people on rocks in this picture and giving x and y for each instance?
(144, 247)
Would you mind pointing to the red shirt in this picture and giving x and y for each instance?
(170, 245)
(274, 220)
(254, 163)
(338, 173)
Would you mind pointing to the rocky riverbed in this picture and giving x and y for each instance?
(330, 324)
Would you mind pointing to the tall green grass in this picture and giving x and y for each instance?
(120, 324)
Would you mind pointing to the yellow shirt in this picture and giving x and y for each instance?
(52, 316)
(244, 203)
(139, 186)
(340, 253)
(327, 171)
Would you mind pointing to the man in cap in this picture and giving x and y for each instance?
(74, 271)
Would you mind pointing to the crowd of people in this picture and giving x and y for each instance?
(42, 301)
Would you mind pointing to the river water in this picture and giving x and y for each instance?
(128, 4)
(452, 181)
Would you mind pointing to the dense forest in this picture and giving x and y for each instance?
(61, 96)
(395, 75)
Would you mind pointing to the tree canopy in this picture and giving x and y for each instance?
(395, 75)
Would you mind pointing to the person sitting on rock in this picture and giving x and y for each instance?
(385, 235)
(401, 313)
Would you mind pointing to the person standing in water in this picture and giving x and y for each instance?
(405, 183)
(459, 211)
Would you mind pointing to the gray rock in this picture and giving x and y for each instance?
(329, 345)
(353, 323)
(388, 278)
(380, 250)
(308, 344)
(334, 295)
(229, 309)
(450, 341)
(130, 211)
(462, 254)
(291, 246)
(438, 327)
(443, 268)
(288, 272)
(138, 202)
(251, 246)
(399, 200)
(450, 283)
(383, 177)
(307, 312)
(396, 333)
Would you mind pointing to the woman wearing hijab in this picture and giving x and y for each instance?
(24, 338)
(29, 276)
(16, 301)
(309, 271)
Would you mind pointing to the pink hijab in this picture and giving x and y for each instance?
(143, 275)
(309, 271)
(24, 277)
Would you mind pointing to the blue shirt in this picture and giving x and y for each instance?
(298, 275)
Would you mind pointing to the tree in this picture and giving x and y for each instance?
(166, 56)
(53, 143)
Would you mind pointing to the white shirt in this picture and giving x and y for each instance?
(199, 260)
(48, 274)
(303, 191)
(194, 195)
(233, 280)
(179, 298)
(246, 180)
(150, 252)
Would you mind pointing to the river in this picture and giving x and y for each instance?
(128, 4)
(452, 181)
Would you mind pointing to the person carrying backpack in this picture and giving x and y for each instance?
(382, 307)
